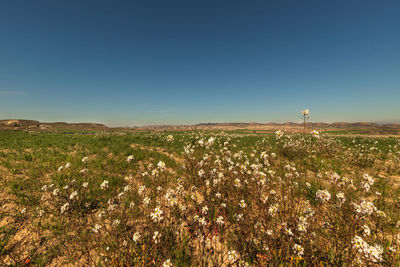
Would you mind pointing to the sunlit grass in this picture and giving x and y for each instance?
(198, 199)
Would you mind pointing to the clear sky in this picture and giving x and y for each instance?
(178, 62)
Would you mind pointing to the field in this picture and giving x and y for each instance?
(198, 198)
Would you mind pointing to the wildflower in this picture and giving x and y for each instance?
(161, 165)
(202, 221)
(237, 183)
(136, 236)
(201, 172)
(64, 207)
(130, 158)
(210, 141)
(368, 252)
(85, 159)
(167, 263)
(279, 134)
(104, 184)
(204, 210)
(73, 195)
(299, 250)
(146, 201)
(315, 133)
(220, 220)
(67, 165)
(323, 195)
(233, 256)
(56, 191)
(111, 207)
(83, 171)
(341, 198)
(302, 226)
(44, 188)
(381, 213)
(141, 189)
(239, 217)
(335, 177)
(156, 237)
(366, 230)
(85, 184)
(124, 243)
(96, 228)
(170, 138)
(116, 222)
(364, 208)
(368, 182)
(273, 209)
(41, 212)
(156, 216)
(242, 204)
(289, 232)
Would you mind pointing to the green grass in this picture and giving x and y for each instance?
(300, 165)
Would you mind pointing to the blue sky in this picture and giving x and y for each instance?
(183, 62)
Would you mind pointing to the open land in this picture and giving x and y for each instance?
(199, 195)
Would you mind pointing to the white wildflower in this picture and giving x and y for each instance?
(323, 195)
(96, 228)
(242, 204)
(73, 195)
(157, 215)
(136, 236)
(64, 207)
(299, 250)
(104, 184)
(167, 263)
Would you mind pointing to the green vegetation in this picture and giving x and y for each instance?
(198, 199)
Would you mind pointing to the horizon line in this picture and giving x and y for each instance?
(383, 122)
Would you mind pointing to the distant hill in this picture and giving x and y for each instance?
(364, 127)
(288, 126)
(33, 125)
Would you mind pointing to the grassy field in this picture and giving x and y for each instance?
(198, 199)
